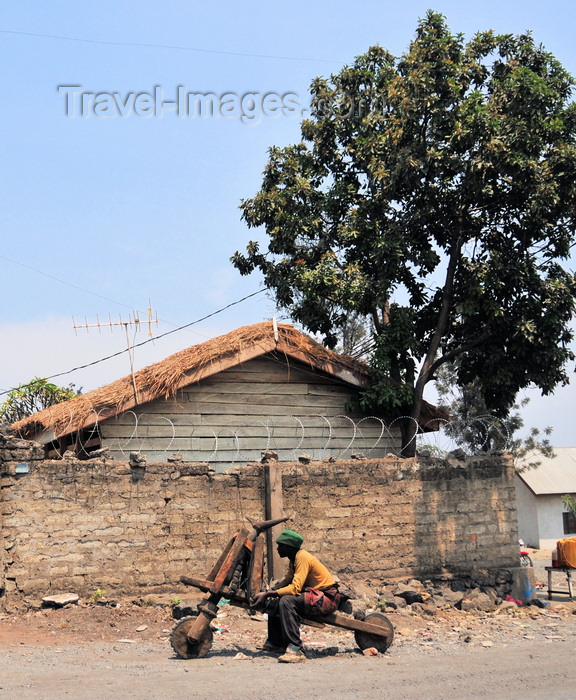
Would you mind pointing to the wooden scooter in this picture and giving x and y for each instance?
(238, 576)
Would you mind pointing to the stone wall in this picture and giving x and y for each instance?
(75, 526)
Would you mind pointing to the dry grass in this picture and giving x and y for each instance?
(164, 378)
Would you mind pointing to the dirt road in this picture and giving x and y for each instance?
(533, 668)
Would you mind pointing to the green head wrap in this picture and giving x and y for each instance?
(291, 538)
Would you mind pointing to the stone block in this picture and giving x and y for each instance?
(60, 600)
(338, 512)
(85, 570)
(32, 586)
(107, 532)
(9, 587)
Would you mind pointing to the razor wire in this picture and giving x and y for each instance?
(169, 437)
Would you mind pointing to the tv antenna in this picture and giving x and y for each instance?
(134, 321)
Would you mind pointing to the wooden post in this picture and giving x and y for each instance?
(274, 509)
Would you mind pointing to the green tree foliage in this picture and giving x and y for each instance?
(475, 429)
(34, 396)
(569, 503)
(433, 194)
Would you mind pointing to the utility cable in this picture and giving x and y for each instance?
(138, 44)
(144, 342)
(57, 279)
(74, 286)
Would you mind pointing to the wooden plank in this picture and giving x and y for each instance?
(230, 562)
(274, 509)
(241, 398)
(237, 598)
(202, 583)
(247, 389)
(272, 387)
(286, 422)
(331, 388)
(253, 425)
(285, 404)
(211, 575)
(261, 371)
(255, 576)
(273, 362)
(350, 623)
(205, 403)
(170, 407)
(277, 408)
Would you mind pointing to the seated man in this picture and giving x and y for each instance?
(307, 589)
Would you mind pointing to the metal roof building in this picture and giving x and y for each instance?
(542, 517)
(556, 475)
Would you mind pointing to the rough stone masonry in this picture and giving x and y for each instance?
(77, 526)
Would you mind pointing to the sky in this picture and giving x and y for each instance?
(115, 198)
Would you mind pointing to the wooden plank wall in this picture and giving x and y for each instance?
(264, 404)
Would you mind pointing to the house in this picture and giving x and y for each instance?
(542, 517)
(261, 387)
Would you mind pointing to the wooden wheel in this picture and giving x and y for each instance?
(182, 646)
(365, 640)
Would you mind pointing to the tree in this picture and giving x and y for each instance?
(354, 338)
(435, 195)
(569, 503)
(34, 396)
(477, 430)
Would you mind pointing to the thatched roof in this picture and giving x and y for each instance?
(163, 379)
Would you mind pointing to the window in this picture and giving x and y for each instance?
(569, 523)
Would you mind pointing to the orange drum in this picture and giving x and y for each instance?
(567, 552)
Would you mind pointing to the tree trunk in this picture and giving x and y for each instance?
(408, 431)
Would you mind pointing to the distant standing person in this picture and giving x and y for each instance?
(307, 589)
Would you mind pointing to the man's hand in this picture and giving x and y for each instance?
(259, 598)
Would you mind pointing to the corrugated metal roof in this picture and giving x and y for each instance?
(556, 475)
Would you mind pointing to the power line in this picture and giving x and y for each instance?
(138, 44)
(74, 286)
(145, 342)
(57, 279)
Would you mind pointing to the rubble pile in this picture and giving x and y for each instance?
(483, 590)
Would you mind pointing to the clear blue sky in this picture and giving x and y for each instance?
(101, 214)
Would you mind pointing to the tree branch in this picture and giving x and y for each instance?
(441, 324)
(453, 354)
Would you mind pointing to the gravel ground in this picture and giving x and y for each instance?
(459, 656)
(123, 651)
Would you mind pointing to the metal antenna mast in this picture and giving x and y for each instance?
(133, 320)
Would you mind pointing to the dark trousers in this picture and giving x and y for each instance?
(284, 622)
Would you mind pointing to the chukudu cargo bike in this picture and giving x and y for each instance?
(237, 576)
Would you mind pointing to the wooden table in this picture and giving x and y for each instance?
(565, 569)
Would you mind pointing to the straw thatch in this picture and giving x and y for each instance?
(164, 378)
